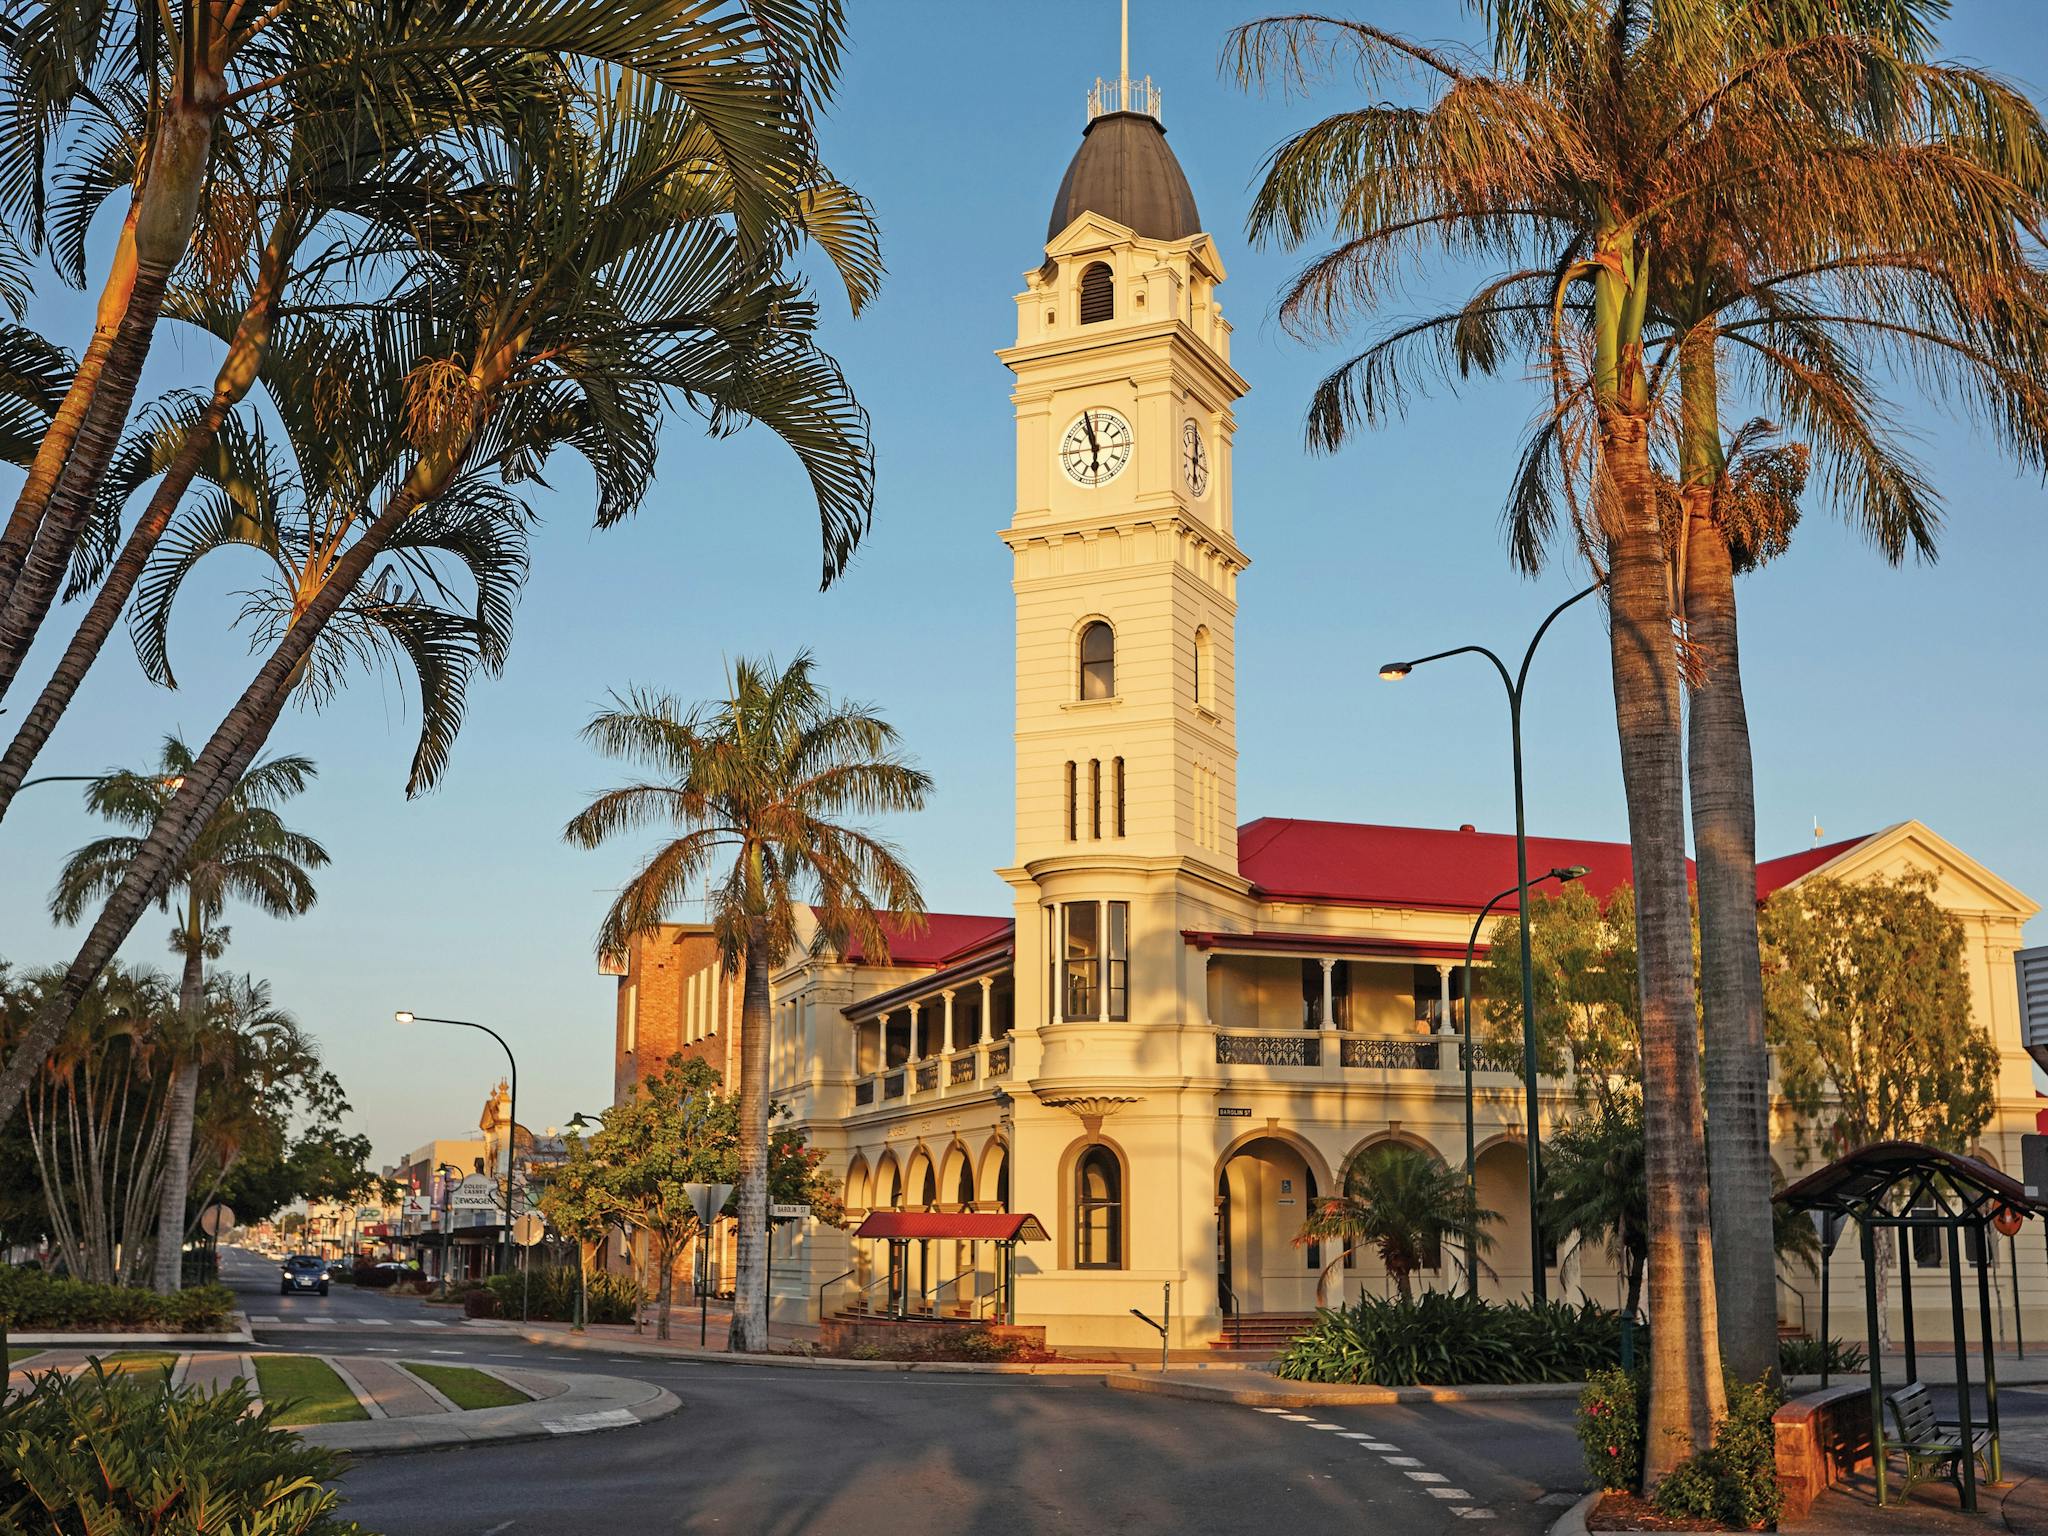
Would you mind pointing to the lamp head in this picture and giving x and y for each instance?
(1394, 671)
(1568, 874)
(404, 1016)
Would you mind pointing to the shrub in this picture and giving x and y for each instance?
(33, 1301)
(129, 1455)
(1448, 1339)
(1807, 1357)
(479, 1301)
(1734, 1480)
(551, 1295)
(366, 1273)
(1610, 1426)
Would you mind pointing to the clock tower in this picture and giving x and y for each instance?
(1125, 565)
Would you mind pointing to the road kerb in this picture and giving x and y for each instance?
(817, 1362)
(1573, 1521)
(1278, 1394)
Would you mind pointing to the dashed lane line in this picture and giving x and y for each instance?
(1460, 1500)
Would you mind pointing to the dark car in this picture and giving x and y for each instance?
(303, 1272)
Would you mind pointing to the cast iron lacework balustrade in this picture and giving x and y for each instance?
(963, 1070)
(1407, 1055)
(864, 1093)
(927, 1077)
(892, 1086)
(999, 1059)
(1487, 1057)
(1269, 1050)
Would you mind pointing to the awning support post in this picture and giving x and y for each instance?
(1984, 1251)
(1962, 1350)
(1878, 1453)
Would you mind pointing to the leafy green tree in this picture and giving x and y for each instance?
(245, 852)
(761, 778)
(676, 1130)
(1588, 1017)
(1403, 1203)
(1868, 994)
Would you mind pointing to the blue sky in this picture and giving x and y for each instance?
(1875, 694)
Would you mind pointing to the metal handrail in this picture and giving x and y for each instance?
(1225, 1293)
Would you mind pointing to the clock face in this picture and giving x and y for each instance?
(1194, 459)
(1096, 447)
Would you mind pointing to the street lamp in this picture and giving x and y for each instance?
(577, 1122)
(1393, 671)
(449, 1173)
(407, 1016)
(1563, 876)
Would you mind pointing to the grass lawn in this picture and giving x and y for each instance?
(306, 1389)
(125, 1360)
(467, 1388)
(16, 1353)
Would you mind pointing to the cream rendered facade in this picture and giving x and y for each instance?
(1167, 1084)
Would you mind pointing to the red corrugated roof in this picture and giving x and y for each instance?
(944, 937)
(1771, 874)
(1360, 864)
(966, 1226)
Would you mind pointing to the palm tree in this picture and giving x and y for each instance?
(761, 777)
(1593, 1184)
(245, 853)
(346, 157)
(1600, 134)
(1401, 1201)
(611, 265)
(215, 76)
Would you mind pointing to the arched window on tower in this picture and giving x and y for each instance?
(1098, 1210)
(1098, 661)
(1098, 293)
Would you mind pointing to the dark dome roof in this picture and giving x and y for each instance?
(1124, 171)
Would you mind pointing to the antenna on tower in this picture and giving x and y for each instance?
(1124, 94)
(1124, 68)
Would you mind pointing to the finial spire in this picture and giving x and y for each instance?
(1124, 73)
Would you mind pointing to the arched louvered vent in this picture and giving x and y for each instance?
(1098, 294)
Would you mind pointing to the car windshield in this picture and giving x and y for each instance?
(302, 1261)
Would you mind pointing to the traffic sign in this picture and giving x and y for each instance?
(217, 1220)
(789, 1213)
(528, 1230)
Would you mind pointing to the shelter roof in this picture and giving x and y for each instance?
(966, 1226)
(1904, 1174)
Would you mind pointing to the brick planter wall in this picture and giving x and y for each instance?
(840, 1335)
(1821, 1438)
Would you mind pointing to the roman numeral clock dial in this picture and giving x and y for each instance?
(1096, 447)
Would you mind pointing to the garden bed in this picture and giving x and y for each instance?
(32, 1301)
(1629, 1512)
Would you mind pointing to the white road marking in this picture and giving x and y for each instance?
(1429, 1477)
(444, 1351)
(1447, 1493)
(1269, 1410)
(1379, 1445)
(583, 1423)
(1326, 1426)
(1355, 1434)
(1473, 1514)
(502, 1525)
(1402, 1461)
(1296, 1418)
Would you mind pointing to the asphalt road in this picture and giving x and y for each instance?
(781, 1452)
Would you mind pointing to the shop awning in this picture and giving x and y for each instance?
(964, 1226)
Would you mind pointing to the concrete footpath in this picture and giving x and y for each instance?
(1257, 1389)
(574, 1405)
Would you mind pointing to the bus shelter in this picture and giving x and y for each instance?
(1908, 1187)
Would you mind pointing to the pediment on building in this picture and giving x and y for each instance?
(1095, 232)
(1963, 884)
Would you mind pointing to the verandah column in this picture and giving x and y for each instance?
(988, 992)
(1443, 980)
(910, 1058)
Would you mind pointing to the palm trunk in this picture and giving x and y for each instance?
(237, 375)
(1731, 974)
(1686, 1395)
(183, 1100)
(175, 175)
(750, 1282)
(62, 432)
(232, 747)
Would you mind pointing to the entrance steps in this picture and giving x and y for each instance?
(1269, 1332)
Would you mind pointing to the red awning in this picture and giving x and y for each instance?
(966, 1226)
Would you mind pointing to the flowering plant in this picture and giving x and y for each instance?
(1610, 1427)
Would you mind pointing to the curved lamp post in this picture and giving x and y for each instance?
(1516, 683)
(1563, 876)
(407, 1016)
(449, 1173)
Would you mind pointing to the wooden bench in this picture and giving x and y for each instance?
(1931, 1448)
